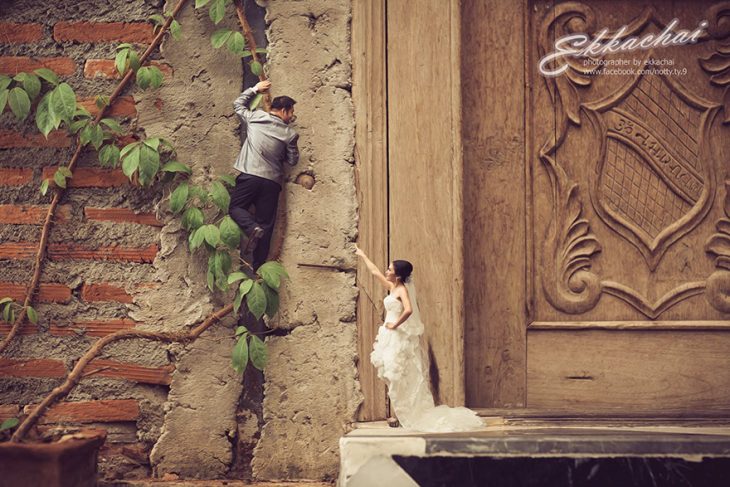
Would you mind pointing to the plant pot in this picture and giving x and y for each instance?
(68, 462)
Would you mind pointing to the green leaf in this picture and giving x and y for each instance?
(121, 61)
(256, 300)
(201, 3)
(196, 238)
(261, 50)
(134, 60)
(112, 125)
(32, 315)
(192, 218)
(48, 75)
(44, 186)
(19, 102)
(220, 196)
(272, 272)
(178, 198)
(256, 68)
(241, 330)
(235, 43)
(245, 53)
(109, 155)
(59, 178)
(246, 287)
(31, 84)
(229, 180)
(9, 423)
(97, 136)
(149, 164)
(236, 276)
(5, 81)
(149, 77)
(88, 133)
(212, 235)
(221, 267)
(157, 19)
(43, 116)
(63, 102)
(210, 277)
(217, 10)
(220, 37)
(65, 171)
(144, 78)
(125, 45)
(8, 313)
(239, 358)
(127, 149)
(101, 101)
(175, 166)
(81, 112)
(77, 125)
(5, 300)
(200, 193)
(256, 101)
(152, 142)
(130, 163)
(3, 99)
(237, 302)
(175, 30)
(272, 300)
(230, 233)
(257, 352)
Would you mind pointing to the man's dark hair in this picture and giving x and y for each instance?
(282, 103)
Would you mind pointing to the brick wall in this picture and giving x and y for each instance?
(105, 238)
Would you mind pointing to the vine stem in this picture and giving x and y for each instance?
(75, 376)
(32, 287)
(251, 42)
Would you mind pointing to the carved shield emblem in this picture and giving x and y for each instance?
(652, 184)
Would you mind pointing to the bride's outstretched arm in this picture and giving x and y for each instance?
(373, 269)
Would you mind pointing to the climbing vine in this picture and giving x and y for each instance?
(202, 209)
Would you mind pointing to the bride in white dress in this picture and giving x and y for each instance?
(400, 359)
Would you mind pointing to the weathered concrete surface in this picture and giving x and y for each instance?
(311, 397)
(311, 390)
(194, 111)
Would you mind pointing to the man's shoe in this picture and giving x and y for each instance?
(253, 239)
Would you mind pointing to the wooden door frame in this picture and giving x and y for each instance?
(370, 98)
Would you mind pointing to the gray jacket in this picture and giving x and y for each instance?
(269, 141)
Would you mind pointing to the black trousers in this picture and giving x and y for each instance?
(262, 194)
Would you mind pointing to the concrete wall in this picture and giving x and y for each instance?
(194, 420)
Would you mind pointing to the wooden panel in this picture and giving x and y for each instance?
(368, 93)
(425, 173)
(494, 207)
(595, 371)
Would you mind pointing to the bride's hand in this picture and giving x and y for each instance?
(390, 326)
(359, 252)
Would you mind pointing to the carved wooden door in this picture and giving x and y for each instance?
(628, 213)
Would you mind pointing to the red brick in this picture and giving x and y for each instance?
(93, 328)
(90, 411)
(15, 176)
(12, 65)
(32, 368)
(104, 292)
(13, 139)
(91, 177)
(61, 252)
(8, 411)
(123, 107)
(48, 293)
(97, 368)
(11, 33)
(32, 214)
(106, 68)
(24, 330)
(131, 372)
(139, 32)
(123, 215)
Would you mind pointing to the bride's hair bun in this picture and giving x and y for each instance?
(403, 269)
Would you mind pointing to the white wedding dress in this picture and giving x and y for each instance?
(400, 361)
